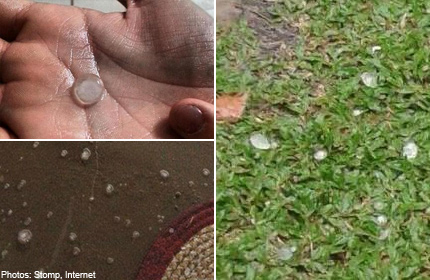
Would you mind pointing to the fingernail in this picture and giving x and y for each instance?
(188, 119)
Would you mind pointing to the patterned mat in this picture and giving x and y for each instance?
(185, 250)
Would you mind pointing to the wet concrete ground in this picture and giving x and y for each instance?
(63, 186)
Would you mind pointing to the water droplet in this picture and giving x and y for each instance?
(76, 251)
(73, 236)
(4, 254)
(160, 218)
(206, 172)
(171, 230)
(410, 150)
(369, 79)
(27, 221)
(64, 153)
(127, 222)
(164, 174)
(260, 141)
(109, 260)
(21, 184)
(319, 155)
(35, 144)
(91, 199)
(136, 234)
(24, 236)
(9, 212)
(117, 219)
(86, 153)
(24, 204)
(109, 189)
(49, 215)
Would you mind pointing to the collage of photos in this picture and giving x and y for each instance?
(132, 84)
(214, 139)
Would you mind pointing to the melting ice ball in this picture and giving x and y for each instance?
(410, 150)
(88, 90)
(369, 79)
(320, 154)
(260, 141)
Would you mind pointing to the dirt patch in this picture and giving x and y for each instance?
(274, 36)
(227, 11)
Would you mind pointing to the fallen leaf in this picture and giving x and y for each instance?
(229, 108)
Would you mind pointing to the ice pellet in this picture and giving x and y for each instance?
(164, 174)
(86, 153)
(24, 236)
(319, 155)
(88, 90)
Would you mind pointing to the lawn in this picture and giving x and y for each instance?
(343, 191)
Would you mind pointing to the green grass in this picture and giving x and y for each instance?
(283, 198)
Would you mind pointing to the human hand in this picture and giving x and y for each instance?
(193, 119)
(157, 53)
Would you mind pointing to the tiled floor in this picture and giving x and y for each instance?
(115, 6)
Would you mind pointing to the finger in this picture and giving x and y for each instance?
(5, 134)
(3, 47)
(2, 86)
(11, 17)
(193, 119)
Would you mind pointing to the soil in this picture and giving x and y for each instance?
(64, 185)
(273, 37)
(227, 11)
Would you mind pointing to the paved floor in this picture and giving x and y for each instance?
(54, 200)
(115, 6)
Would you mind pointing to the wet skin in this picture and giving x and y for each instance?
(152, 56)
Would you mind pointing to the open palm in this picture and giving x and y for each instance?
(155, 54)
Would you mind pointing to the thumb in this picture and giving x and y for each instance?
(193, 119)
(5, 134)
